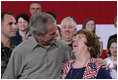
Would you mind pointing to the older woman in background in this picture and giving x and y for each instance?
(85, 48)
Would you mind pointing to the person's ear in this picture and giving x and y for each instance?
(75, 30)
(89, 48)
(37, 35)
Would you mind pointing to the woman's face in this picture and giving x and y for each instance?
(90, 26)
(113, 49)
(79, 43)
(22, 24)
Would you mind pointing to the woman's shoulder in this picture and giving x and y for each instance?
(108, 58)
(103, 74)
(68, 63)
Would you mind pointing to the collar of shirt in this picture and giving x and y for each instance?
(11, 45)
(35, 43)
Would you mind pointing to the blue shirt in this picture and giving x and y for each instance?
(77, 73)
(17, 39)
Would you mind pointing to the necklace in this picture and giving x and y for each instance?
(77, 72)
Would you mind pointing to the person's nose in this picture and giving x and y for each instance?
(14, 26)
(67, 29)
(91, 26)
(23, 23)
(36, 10)
(115, 50)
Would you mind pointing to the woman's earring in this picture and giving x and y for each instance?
(88, 49)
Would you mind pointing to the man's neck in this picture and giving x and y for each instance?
(5, 40)
(67, 41)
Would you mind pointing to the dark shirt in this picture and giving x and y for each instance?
(17, 39)
(71, 45)
(5, 55)
(111, 37)
(75, 73)
(78, 73)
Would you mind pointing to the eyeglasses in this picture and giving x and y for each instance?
(79, 37)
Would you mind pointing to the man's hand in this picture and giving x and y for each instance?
(115, 67)
(108, 68)
(103, 63)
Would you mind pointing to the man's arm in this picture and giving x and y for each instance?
(103, 63)
(68, 53)
(13, 67)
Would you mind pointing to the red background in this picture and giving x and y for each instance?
(103, 12)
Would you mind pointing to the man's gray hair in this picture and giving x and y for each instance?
(39, 22)
(69, 18)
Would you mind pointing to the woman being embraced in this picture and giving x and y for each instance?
(85, 49)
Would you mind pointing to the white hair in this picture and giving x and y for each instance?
(69, 18)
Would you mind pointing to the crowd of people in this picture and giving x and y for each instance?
(36, 48)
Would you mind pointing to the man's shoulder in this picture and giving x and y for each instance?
(25, 46)
(107, 58)
(22, 50)
(113, 36)
(60, 43)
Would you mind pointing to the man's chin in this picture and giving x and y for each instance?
(13, 35)
(50, 43)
